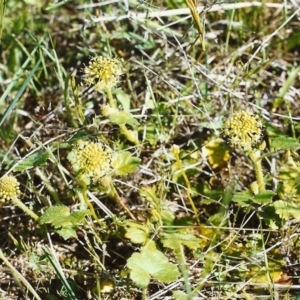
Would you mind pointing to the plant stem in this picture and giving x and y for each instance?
(128, 133)
(144, 294)
(83, 195)
(114, 194)
(25, 208)
(220, 221)
(111, 100)
(182, 265)
(176, 153)
(255, 157)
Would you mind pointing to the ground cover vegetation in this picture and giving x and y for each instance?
(149, 149)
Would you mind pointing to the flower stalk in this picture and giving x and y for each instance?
(244, 130)
(114, 195)
(25, 208)
(82, 194)
(175, 150)
(104, 74)
(256, 160)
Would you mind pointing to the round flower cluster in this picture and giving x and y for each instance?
(9, 188)
(92, 161)
(103, 72)
(244, 130)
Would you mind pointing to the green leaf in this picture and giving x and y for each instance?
(78, 216)
(243, 198)
(55, 215)
(72, 157)
(174, 240)
(60, 218)
(179, 295)
(167, 217)
(284, 143)
(273, 132)
(123, 163)
(137, 233)
(264, 197)
(285, 210)
(123, 98)
(33, 160)
(149, 194)
(122, 118)
(270, 217)
(67, 232)
(218, 219)
(151, 262)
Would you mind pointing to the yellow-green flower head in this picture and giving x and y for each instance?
(244, 130)
(92, 160)
(103, 72)
(9, 188)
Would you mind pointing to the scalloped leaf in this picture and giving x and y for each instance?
(149, 194)
(67, 232)
(174, 240)
(124, 163)
(151, 262)
(137, 233)
(167, 216)
(285, 209)
(284, 143)
(264, 197)
(243, 198)
(55, 215)
(60, 218)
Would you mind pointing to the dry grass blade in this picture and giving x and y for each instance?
(19, 276)
(196, 17)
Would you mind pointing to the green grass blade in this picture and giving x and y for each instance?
(60, 274)
(19, 94)
(17, 75)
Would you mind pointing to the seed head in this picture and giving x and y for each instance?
(9, 188)
(92, 160)
(103, 72)
(244, 130)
